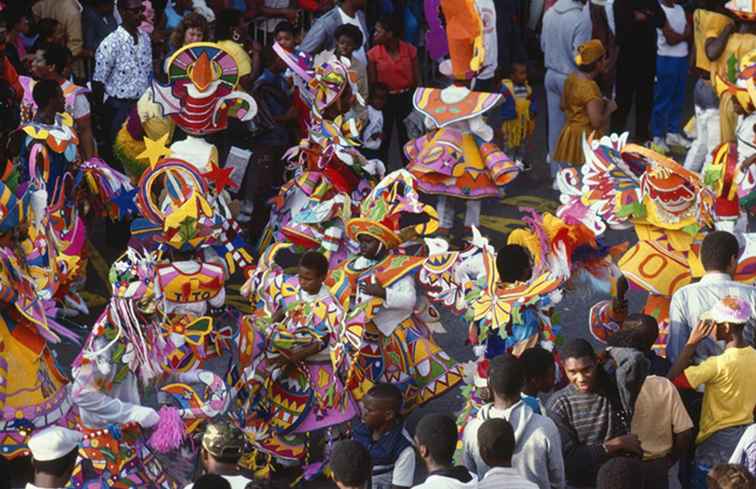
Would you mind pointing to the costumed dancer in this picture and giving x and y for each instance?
(725, 41)
(457, 158)
(126, 353)
(191, 275)
(292, 388)
(331, 176)
(625, 185)
(508, 296)
(54, 173)
(731, 173)
(386, 335)
(33, 390)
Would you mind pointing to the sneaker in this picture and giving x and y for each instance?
(678, 140)
(659, 146)
(525, 165)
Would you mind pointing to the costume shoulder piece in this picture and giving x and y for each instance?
(453, 104)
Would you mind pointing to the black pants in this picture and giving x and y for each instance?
(636, 70)
(115, 112)
(398, 107)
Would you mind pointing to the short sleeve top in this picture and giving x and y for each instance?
(396, 72)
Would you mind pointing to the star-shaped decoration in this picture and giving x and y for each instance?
(155, 150)
(221, 178)
(126, 202)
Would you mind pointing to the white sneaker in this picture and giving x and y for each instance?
(659, 145)
(678, 140)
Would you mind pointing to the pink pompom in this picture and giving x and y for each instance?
(170, 431)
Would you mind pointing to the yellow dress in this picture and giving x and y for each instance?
(578, 91)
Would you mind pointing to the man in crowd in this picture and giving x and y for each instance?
(436, 441)
(719, 257)
(588, 415)
(54, 452)
(538, 451)
(122, 71)
(68, 14)
(496, 440)
(322, 33)
(99, 21)
(222, 447)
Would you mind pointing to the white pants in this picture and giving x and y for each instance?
(707, 139)
(554, 84)
(445, 208)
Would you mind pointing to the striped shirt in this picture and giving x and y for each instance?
(504, 477)
(585, 421)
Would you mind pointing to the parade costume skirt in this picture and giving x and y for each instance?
(456, 164)
(330, 404)
(409, 359)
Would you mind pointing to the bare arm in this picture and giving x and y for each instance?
(86, 137)
(671, 36)
(681, 445)
(715, 46)
(599, 111)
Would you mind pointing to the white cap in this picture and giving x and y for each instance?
(53, 443)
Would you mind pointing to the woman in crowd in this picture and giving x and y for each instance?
(393, 63)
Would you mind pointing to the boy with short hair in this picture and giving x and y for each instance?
(436, 441)
(496, 440)
(540, 376)
(729, 388)
(372, 135)
(350, 465)
(382, 432)
(538, 451)
(348, 39)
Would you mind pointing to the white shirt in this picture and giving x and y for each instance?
(236, 481)
(444, 482)
(487, 12)
(373, 127)
(677, 21)
(270, 24)
(691, 301)
(32, 486)
(123, 67)
(358, 53)
(500, 477)
(403, 473)
(81, 107)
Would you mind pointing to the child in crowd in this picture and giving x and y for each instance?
(496, 440)
(372, 135)
(382, 432)
(671, 77)
(436, 441)
(729, 476)
(586, 111)
(285, 35)
(540, 376)
(729, 389)
(518, 113)
(350, 465)
(348, 39)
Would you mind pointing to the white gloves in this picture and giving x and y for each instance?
(146, 417)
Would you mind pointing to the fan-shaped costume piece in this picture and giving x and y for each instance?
(457, 158)
(200, 95)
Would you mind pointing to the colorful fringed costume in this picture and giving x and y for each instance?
(457, 158)
(331, 176)
(389, 340)
(624, 186)
(33, 391)
(286, 401)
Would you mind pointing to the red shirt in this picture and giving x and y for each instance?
(397, 73)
